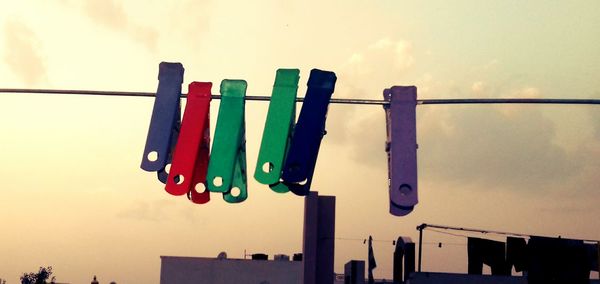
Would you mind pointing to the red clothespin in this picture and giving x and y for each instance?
(190, 158)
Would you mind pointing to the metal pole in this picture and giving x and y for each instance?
(420, 228)
(333, 101)
(150, 94)
(509, 101)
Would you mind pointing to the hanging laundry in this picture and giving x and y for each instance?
(162, 132)
(593, 256)
(576, 263)
(371, 259)
(404, 259)
(598, 259)
(190, 158)
(553, 261)
(516, 253)
(401, 147)
(227, 165)
(309, 131)
(489, 252)
(278, 130)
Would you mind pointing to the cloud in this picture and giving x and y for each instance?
(163, 210)
(159, 210)
(185, 24)
(364, 75)
(369, 140)
(23, 53)
(402, 51)
(109, 13)
(113, 15)
(588, 155)
(488, 147)
(159, 23)
(478, 87)
(381, 62)
(508, 147)
(594, 115)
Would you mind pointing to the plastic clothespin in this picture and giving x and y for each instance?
(201, 169)
(163, 174)
(401, 146)
(190, 158)
(278, 129)
(309, 131)
(162, 132)
(227, 165)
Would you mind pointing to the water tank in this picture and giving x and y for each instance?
(282, 257)
(260, 256)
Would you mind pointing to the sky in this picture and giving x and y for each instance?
(75, 198)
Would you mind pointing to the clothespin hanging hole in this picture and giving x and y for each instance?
(152, 156)
(405, 189)
(178, 179)
(200, 188)
(235, 192)
(267, 167)
(218, 181)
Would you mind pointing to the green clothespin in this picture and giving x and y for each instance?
(278, 129)
(227, 165)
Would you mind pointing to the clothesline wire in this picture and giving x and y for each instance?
(364, 240)
(392, 241)
(448, 233)
(300, 99)
(444, 243)
(439, 228)
(431, 226)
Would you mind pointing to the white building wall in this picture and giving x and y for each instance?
(201, 270)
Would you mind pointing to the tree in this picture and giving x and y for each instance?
(38, 278)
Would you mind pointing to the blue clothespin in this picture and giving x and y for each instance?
(162, 174)
(308, 133)
(165, 119)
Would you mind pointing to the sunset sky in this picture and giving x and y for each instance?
(74, 196)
